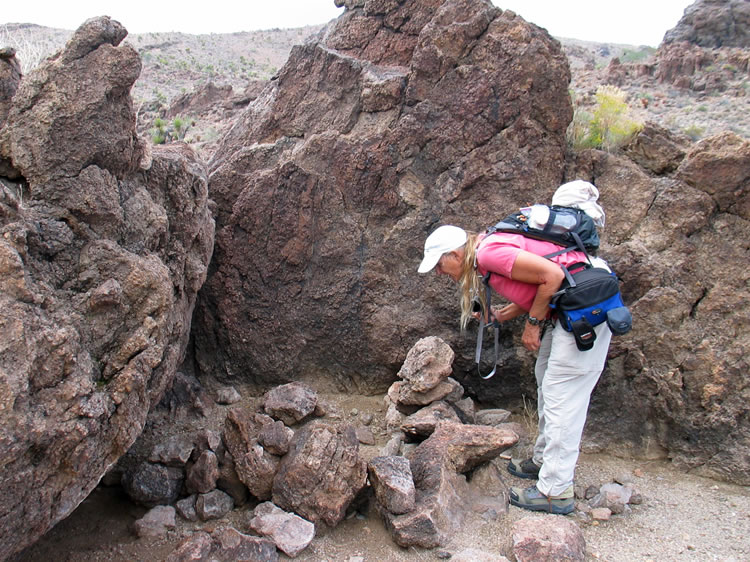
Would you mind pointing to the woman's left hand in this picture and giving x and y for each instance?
(531, 337)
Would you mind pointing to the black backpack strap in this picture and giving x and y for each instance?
(579, 246)
(483, 325)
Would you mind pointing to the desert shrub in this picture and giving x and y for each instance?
(694, 132)
(637, 55)
(609, 126)
(159, 131)
(30, 51)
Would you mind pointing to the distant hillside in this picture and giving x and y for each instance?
(178, 63)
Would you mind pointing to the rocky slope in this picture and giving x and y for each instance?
(179, 65)
(392, 119)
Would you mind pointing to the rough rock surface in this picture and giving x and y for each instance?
(392, 482)
(103, 247)
(288, 531)
(255, 466)
(548, 539)
(10, 77)
(321, 474)
(442, 493)
(680, 245)
(713, 23)
(400, 116)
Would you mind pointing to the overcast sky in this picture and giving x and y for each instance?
(634, 22)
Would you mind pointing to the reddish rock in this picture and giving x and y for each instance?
(99, 270)
(428, 363)
(229, 544)
(321, 474)
(203, 474)
(400, 116)
(290, 403)
(548, 539)
(255, 466)
(391, 479)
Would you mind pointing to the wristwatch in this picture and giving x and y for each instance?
(534, 321)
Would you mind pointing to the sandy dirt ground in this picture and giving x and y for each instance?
(682, 517)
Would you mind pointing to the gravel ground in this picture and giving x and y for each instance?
(682, 517)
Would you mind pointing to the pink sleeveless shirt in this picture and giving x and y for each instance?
(497, 253)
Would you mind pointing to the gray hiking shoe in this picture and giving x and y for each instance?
(524, 469)
(532, 499)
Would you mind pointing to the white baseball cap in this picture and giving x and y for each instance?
(444, 239)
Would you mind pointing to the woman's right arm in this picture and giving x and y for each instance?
(508, 312)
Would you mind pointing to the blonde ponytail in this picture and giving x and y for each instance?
(470, 283)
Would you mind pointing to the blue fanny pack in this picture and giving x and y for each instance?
(587, 298)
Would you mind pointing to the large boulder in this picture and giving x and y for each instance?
(10, 77)
(400, 116)
(676, 386)
(103, 246)
(713, 23)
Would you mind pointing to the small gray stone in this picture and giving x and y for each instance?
(228, 395)
(291, 533)
(186, 508)
(590, 492)
(156, 522)
(393, 446)
(175, 452)
(613, 496)
(494, 416)
(213, 505)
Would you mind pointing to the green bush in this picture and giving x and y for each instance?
(638, 55)
(609, 126)
(159, 131)
(694, 132)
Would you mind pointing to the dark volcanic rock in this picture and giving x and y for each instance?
(103, 246)
(255, 466)
(321, 474)
(680, 246)
(713, 23)
(10, 77)
(153, 484)
(401, 116)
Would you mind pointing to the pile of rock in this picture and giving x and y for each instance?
(305, 472)
(424, 497)
(315, 472)
(613, 498)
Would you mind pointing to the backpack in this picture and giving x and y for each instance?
(588, 297)
(556, 224)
